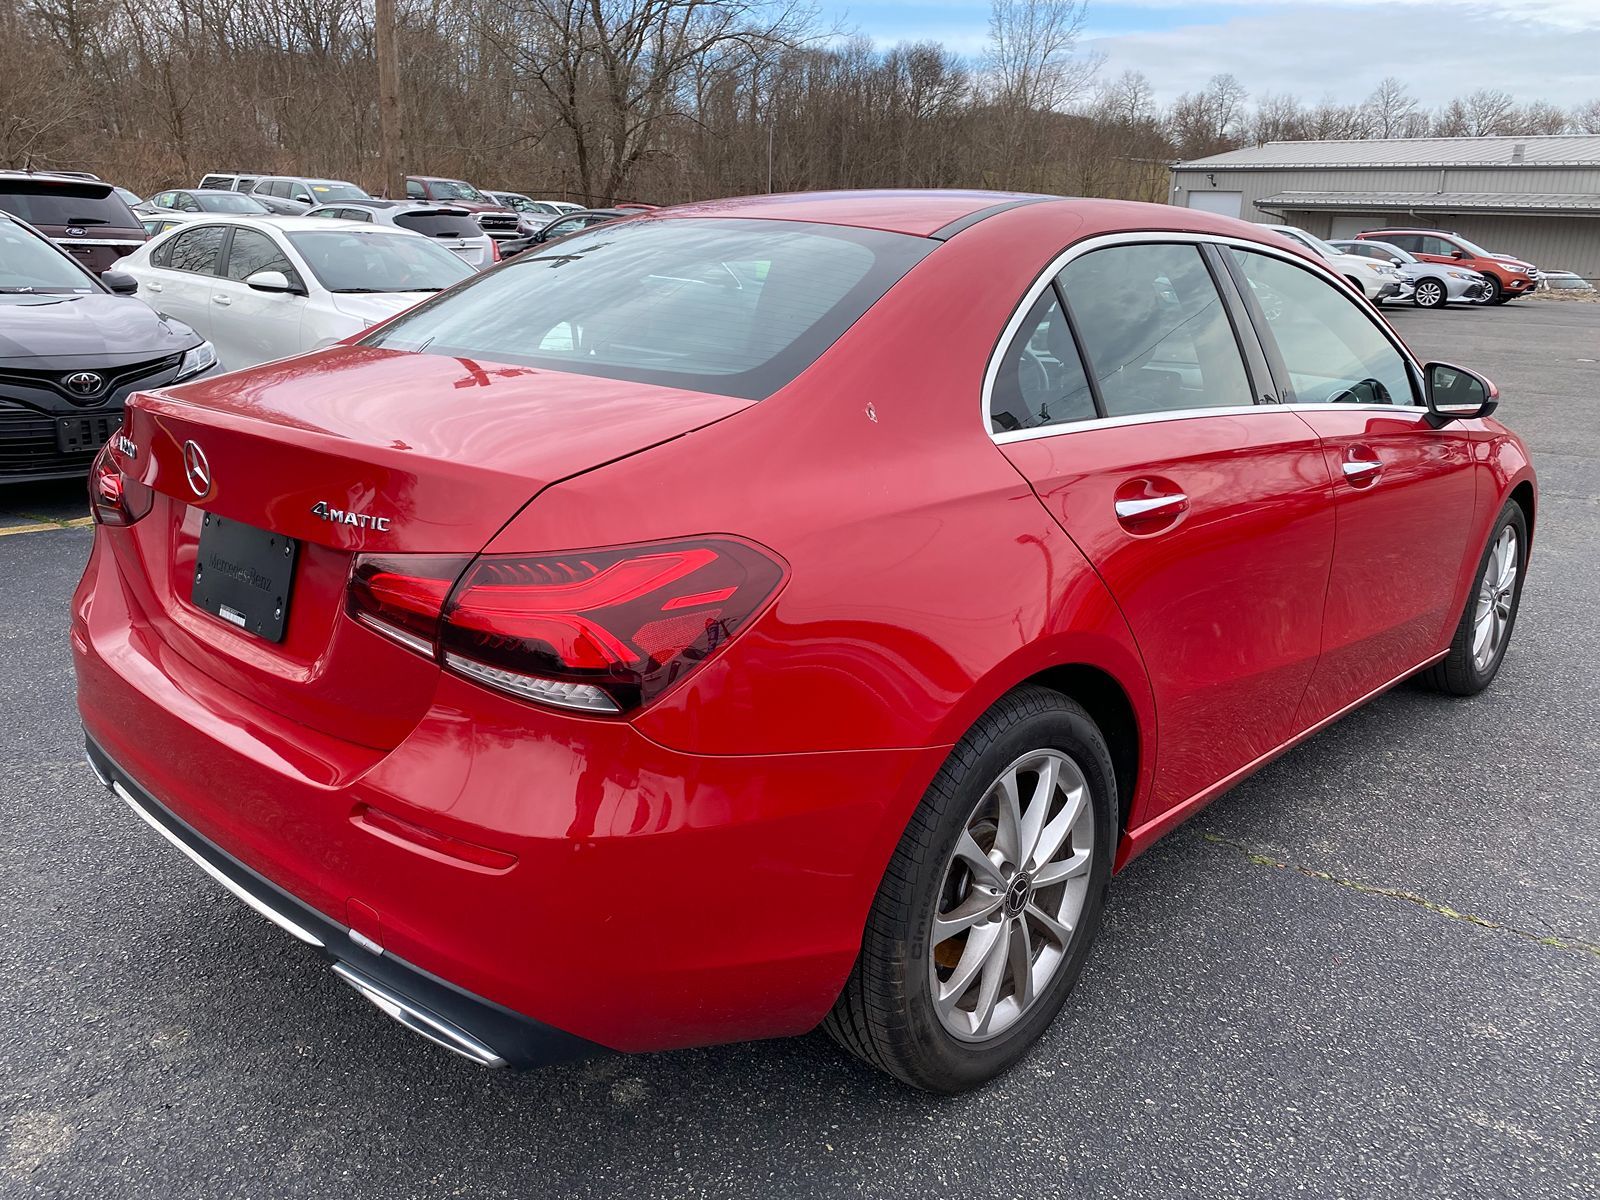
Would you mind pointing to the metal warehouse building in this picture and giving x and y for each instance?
(1535, 197)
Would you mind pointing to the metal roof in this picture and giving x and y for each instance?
(1507, 202)
(1545, 150)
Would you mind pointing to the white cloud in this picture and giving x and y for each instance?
(1341, 50)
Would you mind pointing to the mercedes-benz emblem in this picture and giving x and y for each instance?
(83, 383)
(196, 469)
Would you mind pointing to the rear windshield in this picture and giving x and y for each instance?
(734, 307)
(41, 203)
(30, 265)
(438, 225)
(361, 261)
(454, 189)
(231, 202)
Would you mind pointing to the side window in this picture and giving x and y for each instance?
(562, 228)
(196, 250)
(414, 190)
(1435, 245)
(1041, 380)
(186, 202)
(1154, 329)
(252, 251)
(1408, 242)
(1333, 352)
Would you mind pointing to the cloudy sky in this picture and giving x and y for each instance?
(1316, 49)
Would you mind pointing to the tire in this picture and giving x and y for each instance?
(1356, 283)
(1466, 670)
(1495, 294)
(1430, 293)
(887, 1013)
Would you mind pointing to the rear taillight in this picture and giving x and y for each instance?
(115, 498)
(494, 250)
(602, 630)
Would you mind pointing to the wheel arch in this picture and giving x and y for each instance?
(1523, 496)
(1112, 710)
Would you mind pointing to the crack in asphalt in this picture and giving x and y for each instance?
(1258, 858)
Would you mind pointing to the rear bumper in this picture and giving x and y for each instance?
(469, 1025)
(654, 898)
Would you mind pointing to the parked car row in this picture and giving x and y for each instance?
(1429, 267)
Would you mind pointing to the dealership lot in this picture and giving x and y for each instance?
(1371, 968)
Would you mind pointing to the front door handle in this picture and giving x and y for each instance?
(1151, 506)
(222, 300)
(154, 287)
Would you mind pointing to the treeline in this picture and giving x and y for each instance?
(658, 100)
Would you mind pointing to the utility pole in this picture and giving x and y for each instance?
(392, 145)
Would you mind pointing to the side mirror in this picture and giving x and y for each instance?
(1458, 254)
(269, 281)
(303, 198)
(1457, 394)
(120, 282)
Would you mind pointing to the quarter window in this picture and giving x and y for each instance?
(1041, 380)
(1154, 329)
(195, 250)
(1334, 354)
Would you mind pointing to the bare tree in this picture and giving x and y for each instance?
(1586, 117)
(1488, 111)
(1391, 109)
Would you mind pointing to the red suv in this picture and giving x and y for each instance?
(1507, 277)
(779, 611)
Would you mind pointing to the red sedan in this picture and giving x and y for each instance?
(779, 611)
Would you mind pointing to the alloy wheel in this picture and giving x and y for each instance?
(1429, 294)
(1496, 593)
(1011, 896)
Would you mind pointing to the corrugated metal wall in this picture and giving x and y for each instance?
(1554, 242)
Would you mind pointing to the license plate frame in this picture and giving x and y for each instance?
(244, 575)
(80, 434)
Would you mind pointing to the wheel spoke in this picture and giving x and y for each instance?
(1508, 564)
(1019, 951)
(1057, 931)
(1008, 835)
(1038, 809)
(1071, 867)
(979, 906)
(977, 952)
(1054, 835)
(978, 862)
(994, 974)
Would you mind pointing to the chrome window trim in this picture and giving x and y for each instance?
(1146, 237)
(77, 241)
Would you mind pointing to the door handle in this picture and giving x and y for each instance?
(1151, 506)
(222, 300)
(1360, 470)
(154, 287)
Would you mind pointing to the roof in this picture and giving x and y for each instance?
(1547, 150)
(1494, 202)
(899, 211)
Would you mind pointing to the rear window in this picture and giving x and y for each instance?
(438, 225)
(734, 307)
(86, 205)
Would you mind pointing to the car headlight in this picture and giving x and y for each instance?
(1515, 270)
(202, 358)
(1377, 268)
(1459, 274)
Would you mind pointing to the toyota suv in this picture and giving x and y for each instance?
(85, 217)
(1507, 277)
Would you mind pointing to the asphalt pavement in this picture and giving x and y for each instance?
(1372, 970)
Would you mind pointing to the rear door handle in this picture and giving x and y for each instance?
(1149, 506)
(222, 300)
(1360, 470)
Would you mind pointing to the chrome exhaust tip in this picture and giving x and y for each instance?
(419, 1020)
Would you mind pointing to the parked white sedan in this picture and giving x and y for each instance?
(268, 288)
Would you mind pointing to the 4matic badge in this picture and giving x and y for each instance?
(340, 516)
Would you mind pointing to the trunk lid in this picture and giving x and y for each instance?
(355, 450)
